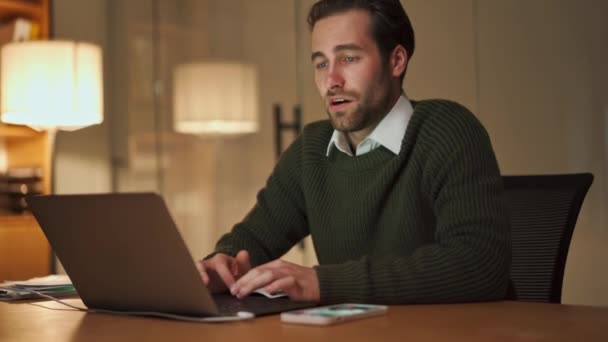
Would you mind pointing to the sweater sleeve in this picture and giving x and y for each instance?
(469, 257)
(277, 221)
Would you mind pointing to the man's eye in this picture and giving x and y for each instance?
(321, 65)
(350, 59)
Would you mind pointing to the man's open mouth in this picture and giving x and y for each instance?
(339, 103)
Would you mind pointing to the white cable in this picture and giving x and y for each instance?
(240, 316)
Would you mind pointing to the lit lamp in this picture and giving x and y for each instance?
(51, 85)
(215, 98)
(212, 99)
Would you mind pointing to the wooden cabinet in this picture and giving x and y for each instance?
(24, 251)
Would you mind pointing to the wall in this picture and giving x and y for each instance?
(245, 162)
(82, 158)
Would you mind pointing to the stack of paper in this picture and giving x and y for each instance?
(53, 285)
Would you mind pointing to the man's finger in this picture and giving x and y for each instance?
(286, 284)
(221, 268)
(253, 280)
(245, 279)
(201, 270)
(243, 264)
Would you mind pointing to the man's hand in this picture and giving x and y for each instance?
(298, 282)
(221, 271)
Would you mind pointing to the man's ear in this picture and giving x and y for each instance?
(398, 60)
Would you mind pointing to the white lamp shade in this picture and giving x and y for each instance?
(51, 84)
(215, 98)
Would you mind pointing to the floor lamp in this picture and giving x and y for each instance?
(49, 86)
(214, 99)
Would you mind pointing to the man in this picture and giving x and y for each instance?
(403, 199)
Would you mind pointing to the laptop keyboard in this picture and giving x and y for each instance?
(258, 304)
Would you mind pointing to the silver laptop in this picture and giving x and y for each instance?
(123, 252)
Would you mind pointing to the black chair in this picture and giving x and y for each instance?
(544, 210)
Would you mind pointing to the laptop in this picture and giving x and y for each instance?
(123, 252)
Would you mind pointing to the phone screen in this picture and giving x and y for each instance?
(337, 310)
(331, 314)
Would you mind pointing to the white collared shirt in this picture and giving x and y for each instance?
(389, 132)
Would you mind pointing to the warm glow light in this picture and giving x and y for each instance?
(215, 98)
(51, 84)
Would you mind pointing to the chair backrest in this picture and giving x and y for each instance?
(544, 210)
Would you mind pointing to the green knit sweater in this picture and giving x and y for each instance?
(429, 225)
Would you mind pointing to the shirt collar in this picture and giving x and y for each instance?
(389, 132)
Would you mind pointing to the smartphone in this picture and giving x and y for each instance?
(331, 314)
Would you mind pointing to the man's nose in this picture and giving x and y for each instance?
(334, 79)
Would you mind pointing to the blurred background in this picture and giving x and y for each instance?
(534, 72)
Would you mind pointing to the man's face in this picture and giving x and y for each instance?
(349, 71)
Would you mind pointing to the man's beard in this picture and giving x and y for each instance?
(363, 115)
(359, 115)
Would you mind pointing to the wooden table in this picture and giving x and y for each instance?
(498, 321)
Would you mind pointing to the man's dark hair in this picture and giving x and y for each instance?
(390, 24)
